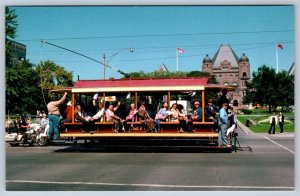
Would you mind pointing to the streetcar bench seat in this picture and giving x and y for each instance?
(74, 123)
(203, 123)
(169, 123)
(104, 123)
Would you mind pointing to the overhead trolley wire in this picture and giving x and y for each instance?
(163, 35)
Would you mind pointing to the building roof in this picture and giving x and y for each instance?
(125, 85)
(207, 59)
(225, 52)
(14, 42)
(292, 70)
(163, 68)
(244, 58)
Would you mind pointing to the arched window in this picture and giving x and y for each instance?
(244, 74)
(226, 83)
(234, 83)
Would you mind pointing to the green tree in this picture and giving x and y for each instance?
(197, 74)
(11, 25)
(22, 94)
(270, 88)
(52, 76)
(157, 74)
(284, 89)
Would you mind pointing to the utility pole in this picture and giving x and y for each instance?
(104, 67)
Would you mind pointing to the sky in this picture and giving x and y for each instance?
(154, 32)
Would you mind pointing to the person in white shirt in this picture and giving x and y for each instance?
(281, 121)
(99, 115)
(111, 117)
(273, 122)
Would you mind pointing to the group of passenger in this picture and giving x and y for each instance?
(120, 124)
(149, 124)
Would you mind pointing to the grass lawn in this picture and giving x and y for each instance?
(266, 112)
(263, 128)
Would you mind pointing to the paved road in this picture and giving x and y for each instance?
(269, 167)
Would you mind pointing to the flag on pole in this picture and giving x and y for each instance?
(279, 46)
(179, 50)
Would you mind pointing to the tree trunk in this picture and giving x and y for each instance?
(269, 108)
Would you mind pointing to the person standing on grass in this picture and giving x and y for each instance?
(281, 121)
(54, 116)
(273, 122)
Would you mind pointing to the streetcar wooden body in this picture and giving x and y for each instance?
(137, 88)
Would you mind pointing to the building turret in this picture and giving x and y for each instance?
(207, 65)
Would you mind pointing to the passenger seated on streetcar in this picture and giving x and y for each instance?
(144, 117)
(161, 116)
(80, 115)
(111, 117)
(99, 115)
(210, 110)
(182, 118)
(174, 116)
(87, 122)
(197, 112)
(68, 113)
(133, 111)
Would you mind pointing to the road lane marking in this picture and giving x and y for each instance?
(280, 145)
(148, 185)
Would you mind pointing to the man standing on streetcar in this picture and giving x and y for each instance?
(223, 126)
(54, 116)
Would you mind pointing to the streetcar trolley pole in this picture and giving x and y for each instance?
(105, 65)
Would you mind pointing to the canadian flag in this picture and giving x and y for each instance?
(279, 46)
(180, 50)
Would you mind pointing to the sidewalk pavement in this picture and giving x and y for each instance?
(245, 129)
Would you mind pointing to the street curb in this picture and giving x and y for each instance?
(245, 129)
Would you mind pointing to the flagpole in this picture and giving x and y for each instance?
(276, 47)
(176, 59)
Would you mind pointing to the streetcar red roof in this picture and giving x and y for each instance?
(141, 82)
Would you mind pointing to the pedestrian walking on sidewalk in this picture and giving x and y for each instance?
(273, 122)
(281, 121)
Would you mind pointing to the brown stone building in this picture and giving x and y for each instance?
(229, 70)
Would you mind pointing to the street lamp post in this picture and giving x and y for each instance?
(104, 58)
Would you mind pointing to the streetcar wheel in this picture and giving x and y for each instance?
(42, 141)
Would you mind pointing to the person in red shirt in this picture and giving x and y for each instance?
(68, 112)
